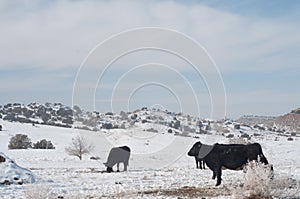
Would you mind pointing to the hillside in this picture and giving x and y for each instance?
(289, 122)
(35, 113)
(159, 166)
(152, 120)
(57, 114)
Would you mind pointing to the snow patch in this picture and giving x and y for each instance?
(11, 173)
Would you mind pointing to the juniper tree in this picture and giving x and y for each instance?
(19, 141)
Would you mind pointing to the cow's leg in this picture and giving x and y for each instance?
(118, 169)
(218, 173)
(214, 175)
(196, 159)
(200, 164)
(109, 169)
(125, 166)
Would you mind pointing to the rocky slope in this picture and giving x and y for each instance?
(158, 121)
(289, 122)
(35, 113)
(58, 114)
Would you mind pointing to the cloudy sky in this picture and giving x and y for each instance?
(254, 44)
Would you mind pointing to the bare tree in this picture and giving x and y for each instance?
(78, 147)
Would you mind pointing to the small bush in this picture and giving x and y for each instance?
(43, 144)
(107, 126)
(261, 182)
(230, 136)
(10, 117)
(176, 124)
(68, 120)
(39, 192)
(152, 130)
(257, 182)
(19, 141)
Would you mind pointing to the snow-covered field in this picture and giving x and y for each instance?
(158, 166)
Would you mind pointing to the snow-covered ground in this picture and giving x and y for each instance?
(158, 166)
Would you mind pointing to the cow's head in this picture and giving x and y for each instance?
(194, 151)
(109, 169)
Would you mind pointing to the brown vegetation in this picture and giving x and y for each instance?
(188, 192)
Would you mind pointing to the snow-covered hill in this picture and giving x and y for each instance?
(152, 120)
(158, 167)
(57, 114)
(35, 113)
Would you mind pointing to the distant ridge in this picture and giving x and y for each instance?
(291, 121)
(57, 114)
(287, 122)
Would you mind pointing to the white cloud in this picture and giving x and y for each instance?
(61, 33)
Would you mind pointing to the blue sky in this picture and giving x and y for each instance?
(255, 45)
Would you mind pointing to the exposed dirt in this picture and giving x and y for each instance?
(189, 192)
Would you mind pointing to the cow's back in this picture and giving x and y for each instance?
(125, 148)
(232, 156)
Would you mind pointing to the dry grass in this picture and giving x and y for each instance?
(260, 182)
(188, 192)
(38, 192)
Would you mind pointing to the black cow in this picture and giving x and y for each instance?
(117, 155)
(230, 156)
(199, 163)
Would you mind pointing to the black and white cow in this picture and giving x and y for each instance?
(116, 156)
(230, 156)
